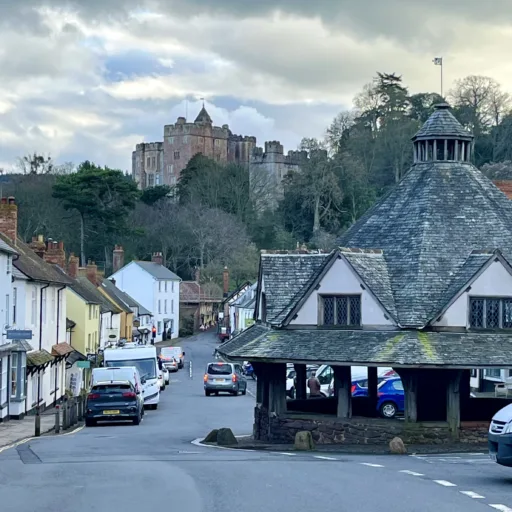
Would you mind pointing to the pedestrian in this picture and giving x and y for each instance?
(314, 386)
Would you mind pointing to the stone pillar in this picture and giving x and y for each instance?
(456, 149)
(301, 379)
(445, 149)
(277, 388)
(435, 150)
(373, 382)
(462, 151)
(343, 387)
(426, 150)
(453, 402)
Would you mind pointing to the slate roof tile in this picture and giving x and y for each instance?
(383, 348)
(39, 358)
(442, 123)
(286, 279)
(157, 271)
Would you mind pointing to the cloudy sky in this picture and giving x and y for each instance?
(88, 79)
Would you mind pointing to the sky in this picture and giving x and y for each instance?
(89, 79)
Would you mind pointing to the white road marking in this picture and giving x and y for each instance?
(289, 454)
(445, 483)
(413, 473)
(324, 458)
(372, 465)
(473, 495)
(503, 508)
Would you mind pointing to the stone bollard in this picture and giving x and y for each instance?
(38, 423)
(57, 419)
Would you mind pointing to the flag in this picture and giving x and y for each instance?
(438, 61)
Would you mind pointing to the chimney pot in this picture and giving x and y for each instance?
(73, 266)
(9, 218)
(4, 200)
(118, 258)
(157, 258)
(91, 272)
(11, 200)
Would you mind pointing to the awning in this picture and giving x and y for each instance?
(38, 359)
(22, 346)
(73, 357)
(406, 348)
(61, 349)
(7, 347)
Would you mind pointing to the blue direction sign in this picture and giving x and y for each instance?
(13, 334)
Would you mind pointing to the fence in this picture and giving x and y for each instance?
(67, 414)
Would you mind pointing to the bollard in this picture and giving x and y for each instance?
(57, 419)
(38, 423)
(65, 416)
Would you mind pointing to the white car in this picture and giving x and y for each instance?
(167, 377)
(161, 380)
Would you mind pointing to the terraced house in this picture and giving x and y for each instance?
(421, 283)
(36, 306)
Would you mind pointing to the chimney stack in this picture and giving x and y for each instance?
(91, 271)
(225, 280)
(38, 245)
(158, 258)
(9, 218)
(118, 258)
(55, 254)
(73, 266)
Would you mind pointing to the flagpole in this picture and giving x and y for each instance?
(442, 79)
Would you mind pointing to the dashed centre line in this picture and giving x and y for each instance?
(503, 508)
(289, 454)
(372, 465)
(412, 473)
(473, 495)
(324, 458)
(445, 483)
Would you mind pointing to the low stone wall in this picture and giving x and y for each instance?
(358, 430)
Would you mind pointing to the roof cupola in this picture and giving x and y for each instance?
(442, 138)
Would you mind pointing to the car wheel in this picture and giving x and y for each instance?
(234, 393)
(89, 422)
(292, 393)
(136, 421)
(244, 392)
(207, 393)
(155, 407)
(388, 410)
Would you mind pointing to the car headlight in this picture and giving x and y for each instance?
(508, 428)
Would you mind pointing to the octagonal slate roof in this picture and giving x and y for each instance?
(442, 123)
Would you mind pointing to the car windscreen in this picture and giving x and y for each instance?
(219, 369)
(146, 367)
(111, 388)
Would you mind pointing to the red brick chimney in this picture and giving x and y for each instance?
(158, 258)
(73, 266)
(55, 254)
(225, 281)
(38, 245)
(118, 258)
(9, 218)
(91, 271)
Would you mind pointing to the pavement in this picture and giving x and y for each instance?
(155, 466)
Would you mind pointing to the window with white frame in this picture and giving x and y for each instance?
(165, 306)
(165, 286)
(341, 310)
(33, 310)
(490, 312)
(9, 264)
(172, 286)
(14, 304)
(3, 380)
(35, 388)
(90, 311)
(14, 374)
(89, 343)
(52, 306)
(7, 310)
(159, 286)
(43, 305)
(159, 327)
(172, 305)
(53, 375)
(493, 372)
(159, 307)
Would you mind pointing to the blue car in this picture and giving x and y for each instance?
(360, 385)
(391, 398)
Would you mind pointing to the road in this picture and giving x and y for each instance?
(154, 466)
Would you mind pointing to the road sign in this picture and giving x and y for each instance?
(13, 334)
(83, 364)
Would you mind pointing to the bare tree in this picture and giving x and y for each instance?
(35, 164)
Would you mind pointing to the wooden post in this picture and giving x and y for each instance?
(453, 402)
(261, 383)
(410, 382)
(343, 386)
(277, 388)
(301, 379)
(373, 382)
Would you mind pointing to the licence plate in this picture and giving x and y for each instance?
(110, 412)
(492, 457)
(218, 380)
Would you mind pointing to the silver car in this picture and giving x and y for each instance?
(222, 377)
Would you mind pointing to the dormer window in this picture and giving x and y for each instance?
(340, 310)
(490, 313)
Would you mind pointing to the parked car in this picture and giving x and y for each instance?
(391, 397)
(161, 380)
(500, 430)
(177, 353)
(221, 377)
(167, 377)
(291, 378)
(169, 358)
(113, 401)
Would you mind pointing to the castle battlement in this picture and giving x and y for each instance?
(149, 146)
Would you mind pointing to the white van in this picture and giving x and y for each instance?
(144, 358)
(500, 437)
